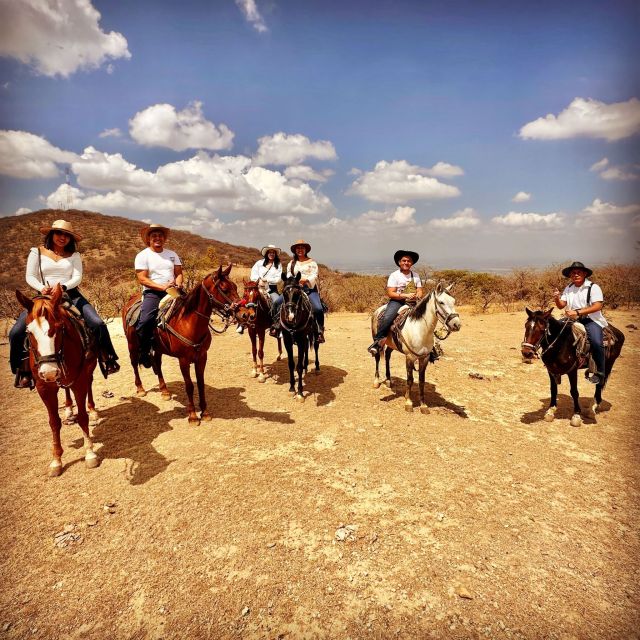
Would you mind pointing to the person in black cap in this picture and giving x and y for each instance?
(403, 287)
(583, 301)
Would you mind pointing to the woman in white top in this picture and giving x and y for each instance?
(308, 270)
(268, 271)
(57, 261)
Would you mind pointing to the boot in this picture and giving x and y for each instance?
(24, 377)
(275, 328)
(374, 348)
(320, 335)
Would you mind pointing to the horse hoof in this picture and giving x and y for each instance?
(93, 417)
(424, 409)
(206, 417)
(376, 385)
(292, 392)
(55, 470)
(595, 408)
(576, 420)
(166, 395)
(262, 377)
(92, 462)
(254, 374)
(141, 393)
(408, 408)
(549, 416)
(194, 420)
(279, 357)
(316, 372)
(387, 383)
(69, 420)
(300, 398)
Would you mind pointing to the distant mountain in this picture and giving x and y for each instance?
(108, 246)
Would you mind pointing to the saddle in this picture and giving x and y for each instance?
(397, 325)
(583, 346)
(86, 335)
(165, 311)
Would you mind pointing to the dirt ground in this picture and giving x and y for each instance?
(341, 517)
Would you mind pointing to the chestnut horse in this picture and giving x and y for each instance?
(186, 335)
(59, 358)
(261, 304)
(555, 342)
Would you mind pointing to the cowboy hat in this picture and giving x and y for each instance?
(566, 272)
(270, 247)
(61, 225)
(404, 252)
(147, 231)
(299, 243)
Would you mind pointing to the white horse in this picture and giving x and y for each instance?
(416, 338)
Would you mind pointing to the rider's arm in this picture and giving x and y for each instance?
(76, 276)
(177, 275)
(33, 272)
(393, 294)
(145, 281)
(560, 303)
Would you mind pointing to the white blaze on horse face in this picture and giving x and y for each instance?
(39, 329)
(448, 302)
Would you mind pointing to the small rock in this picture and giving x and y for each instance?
(245, 612)
(107, 394)
(91, 523)
(476, 375)
(346, 532)
(270, 545)
(631, 326)
(463, 592)
(6, 626)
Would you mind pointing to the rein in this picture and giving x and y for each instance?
(546, 335)
(304, 303)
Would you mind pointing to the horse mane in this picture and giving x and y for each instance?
(192, 299)
(419, 310)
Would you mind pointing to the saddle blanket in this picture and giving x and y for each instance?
(583, 346)
(165, 309)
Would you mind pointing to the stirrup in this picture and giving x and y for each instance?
(374, 349)
(23, 380)
(320, 336)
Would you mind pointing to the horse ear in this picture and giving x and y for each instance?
(439, 288)
(298, 276)
(529, 312)
(284, 276)
(548, 313)
(449, 289)
(227, 271)
(27, 303)
(219, 272)
(56, 295)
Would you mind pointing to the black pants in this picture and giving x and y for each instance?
(148, 316)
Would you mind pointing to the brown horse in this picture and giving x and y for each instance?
(59, 358)
(260, 303)
(556, 344)
(186, 335)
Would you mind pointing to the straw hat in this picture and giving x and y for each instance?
(270, 247)
(299, 243)
(566, 272)
(147, 231)
(61, 225)
(405, 252)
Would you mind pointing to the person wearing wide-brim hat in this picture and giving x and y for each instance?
(582, 301)
(159, 271)
(403, 287)
(58, 261)
(308, 269)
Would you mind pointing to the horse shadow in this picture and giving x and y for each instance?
(565, 410)
(321, 383)
(122, 439)
(432, 398)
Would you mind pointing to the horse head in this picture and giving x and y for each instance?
(44, 324)
(445, 307)
(296, 308)
(247, 313)
(535, 329)
(222, 291)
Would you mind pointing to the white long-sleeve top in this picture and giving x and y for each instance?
(307, 269)
(269, 274)
(66, 271)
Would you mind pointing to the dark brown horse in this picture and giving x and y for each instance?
(261, 304)
(186, 335)
(59, 357)
(554, 341)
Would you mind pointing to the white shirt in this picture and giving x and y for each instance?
(269, 274)
(398, 281)
(576, 298)
(66, 271)
(159, 266)
(308, 271)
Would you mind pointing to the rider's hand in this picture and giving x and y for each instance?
(46, 291)
(556, 293)
(168, 285)
(571, 314)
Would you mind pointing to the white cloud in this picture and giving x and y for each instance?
(162, 126)
(530, 220)
(600, 165)
(465, 219)
(587, 118)
(619, 173)
(600, 208)
(521, 196)
(284, 149)
(307, 174)
(252, 15)
(111, 133)
(399, 182)
(57, 38)
(445, 170)
(26, 155)
(21, 211)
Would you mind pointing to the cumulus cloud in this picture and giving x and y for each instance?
(619, 173)
(399, 182)
(464, 219)
(401, 216)
(57, 38)
(600, 165)
(307, 174)
(445, 170)
(521, 196)
(21, 211)
(530, 220)
(601, 208)
(111, 133)
(26, 155)
(589, 118)
(284, 149)
(160, 125)
(252, 15)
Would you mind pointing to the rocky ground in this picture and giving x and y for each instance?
(340, 517)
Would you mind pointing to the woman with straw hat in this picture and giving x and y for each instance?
(158, 270)
(57, 261)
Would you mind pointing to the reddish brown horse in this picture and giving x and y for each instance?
(258, 301)
(59, 358)
(186, 335)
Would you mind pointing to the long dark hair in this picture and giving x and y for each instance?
(70, 247)
(276, 259)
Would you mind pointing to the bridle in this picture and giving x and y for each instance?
(445, 317)
(303, 304)
(546, 334)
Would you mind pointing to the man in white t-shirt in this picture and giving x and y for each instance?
(157, 269)
(403, 287)
(583, 301)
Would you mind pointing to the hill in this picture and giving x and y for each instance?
(108, 247)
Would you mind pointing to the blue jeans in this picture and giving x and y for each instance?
(148, 316)
(389, 315)
(594, 331)
(316, 305)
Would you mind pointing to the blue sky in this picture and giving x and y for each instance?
(481, 135)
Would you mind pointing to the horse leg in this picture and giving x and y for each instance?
(376, 378)
(80, 391)
(162, 385)
(49, 396)
(279, 349)
(288, 345)
(303, 357)
(261, 376)
(68, 408)
(423, 362)
(91, 405)
(408, 405)
(200, 366)
(576, 419)
(553, 403)
(387, 366)
(316, 346)
(185, 366)
(134, 354)
(254, 353)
